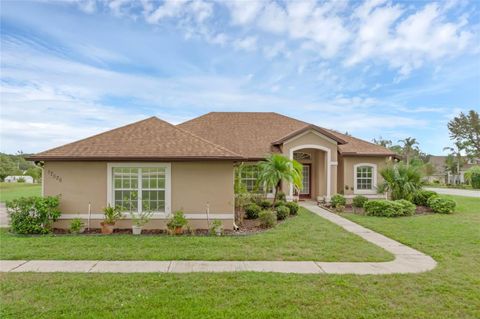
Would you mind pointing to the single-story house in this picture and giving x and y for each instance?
(152, 164)
(19, 179)
(444, 176)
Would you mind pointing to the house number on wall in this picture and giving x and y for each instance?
(54, 176)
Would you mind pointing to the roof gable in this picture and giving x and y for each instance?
(149, 139)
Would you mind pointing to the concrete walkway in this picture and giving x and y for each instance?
(454, 191)
(407, 260)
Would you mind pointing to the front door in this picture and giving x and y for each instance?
(306, 181)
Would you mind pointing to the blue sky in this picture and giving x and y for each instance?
(70, 69)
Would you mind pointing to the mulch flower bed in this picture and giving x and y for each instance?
(246, 227)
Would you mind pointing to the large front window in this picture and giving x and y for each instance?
(139, 188)
(365, 178)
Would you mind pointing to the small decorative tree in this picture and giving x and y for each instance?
(401, 181)
(277, 168)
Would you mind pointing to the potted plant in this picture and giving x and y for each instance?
(112, 214)
(77, 226)
(139, 220)
(217, 227)
(177, 222)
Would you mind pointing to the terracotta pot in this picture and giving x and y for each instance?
(178, 230)
(107, 229)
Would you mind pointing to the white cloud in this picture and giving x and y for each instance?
(273, 18)
(87, 6)
(243, 12)
(169, 9)
(276, 49)
(248, 44)
(424, 35)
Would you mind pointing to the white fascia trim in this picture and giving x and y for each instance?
(168, 180)
(328, 139)
(372, 191)
(199, 216)
(329, 166)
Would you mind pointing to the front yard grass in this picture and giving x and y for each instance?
(9, 191)
(449, 291)
(305, 237)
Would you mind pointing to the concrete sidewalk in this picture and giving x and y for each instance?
(455, 191)
(407, 260)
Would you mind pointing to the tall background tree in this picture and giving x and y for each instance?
(465, 130)
(410, 147)
(454, 161)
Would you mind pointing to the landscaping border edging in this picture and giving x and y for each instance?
(407, 260)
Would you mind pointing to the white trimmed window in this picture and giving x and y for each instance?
(140, 187)
(365, 178)
(249, 178)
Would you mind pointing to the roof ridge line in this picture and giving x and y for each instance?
(205, 140)
(98, 134)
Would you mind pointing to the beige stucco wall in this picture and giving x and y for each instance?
(348, 170)
(193, 185)
(319, 169)
(78, 183)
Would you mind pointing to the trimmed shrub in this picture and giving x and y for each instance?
(442, 205)
(265, 204)
(421, 197)
(282, 212)
(252, 210)
(472, 175)
(33, 215)
(386, 208)
(280, 203)
(338, 199)
(268, 218)
(431, 200)
(408, 209)
(281, 196)
(294, 207)
(359, 200)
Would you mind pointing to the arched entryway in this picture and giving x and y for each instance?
(317, 162)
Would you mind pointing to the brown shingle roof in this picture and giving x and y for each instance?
(357, 147)
(253, 133)
(149, 139)
(248, 133)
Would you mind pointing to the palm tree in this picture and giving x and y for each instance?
(401, 181)
(455, 152)
(277, 168)
(408, 147)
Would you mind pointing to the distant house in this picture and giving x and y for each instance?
(17, 178)
(441, 173)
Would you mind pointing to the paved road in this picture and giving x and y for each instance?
(407, 259)
(453, 191)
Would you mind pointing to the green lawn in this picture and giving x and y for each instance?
(9, 191)
(449, 291)
(305, 237)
